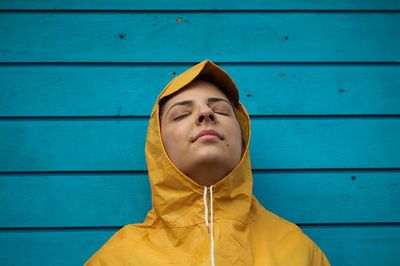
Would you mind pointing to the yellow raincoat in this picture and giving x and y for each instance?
(194, 225)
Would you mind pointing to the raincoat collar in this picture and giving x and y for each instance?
(178, 200)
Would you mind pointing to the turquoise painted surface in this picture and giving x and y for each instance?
(112, 90)
(76, 89)
(174, 37)
(90, 144)
(202, 5)
(304, 197)
(346, 245)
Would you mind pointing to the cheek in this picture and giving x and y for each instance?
(235, 141)
(174, 139)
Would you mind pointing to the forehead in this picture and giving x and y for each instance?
(196, 90)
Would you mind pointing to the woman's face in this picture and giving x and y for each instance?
(200, 131)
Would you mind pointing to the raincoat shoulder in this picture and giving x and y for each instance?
(118, 249)
(282, 242)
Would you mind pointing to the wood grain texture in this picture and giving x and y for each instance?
(130, 90)
(175, 37)
(277, 143)
(206, 5)
(344, 245)
(358, 245)
(78, 80)
(116, 199)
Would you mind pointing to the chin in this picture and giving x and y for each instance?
(210, 161)
(210, 153)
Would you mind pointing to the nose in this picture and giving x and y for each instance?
(205, 115)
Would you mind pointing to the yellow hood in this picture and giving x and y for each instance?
(176, 230)
(177, 199)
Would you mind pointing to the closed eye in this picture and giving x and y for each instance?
(222, 113)
(179, 117)
(221, 108)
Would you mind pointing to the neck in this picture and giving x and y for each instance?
(208, 175)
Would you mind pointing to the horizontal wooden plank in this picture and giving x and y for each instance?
(343, 245)
(108, 90)
(70, 145)
(68, 200)
(73, 200)
(50, 247)
(277, 143)
(193, 36)
(363, 245)
(201, 5)
(331, 197)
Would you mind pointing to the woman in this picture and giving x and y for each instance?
(204, 212)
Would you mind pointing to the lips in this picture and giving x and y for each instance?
(209, 132)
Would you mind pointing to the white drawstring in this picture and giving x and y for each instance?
(210, 225)
(205, 206)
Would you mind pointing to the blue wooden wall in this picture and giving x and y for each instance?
(321, 80)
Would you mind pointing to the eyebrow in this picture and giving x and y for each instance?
(216, 99)
(190, 102)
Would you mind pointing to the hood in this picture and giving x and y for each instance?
(177, 200)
